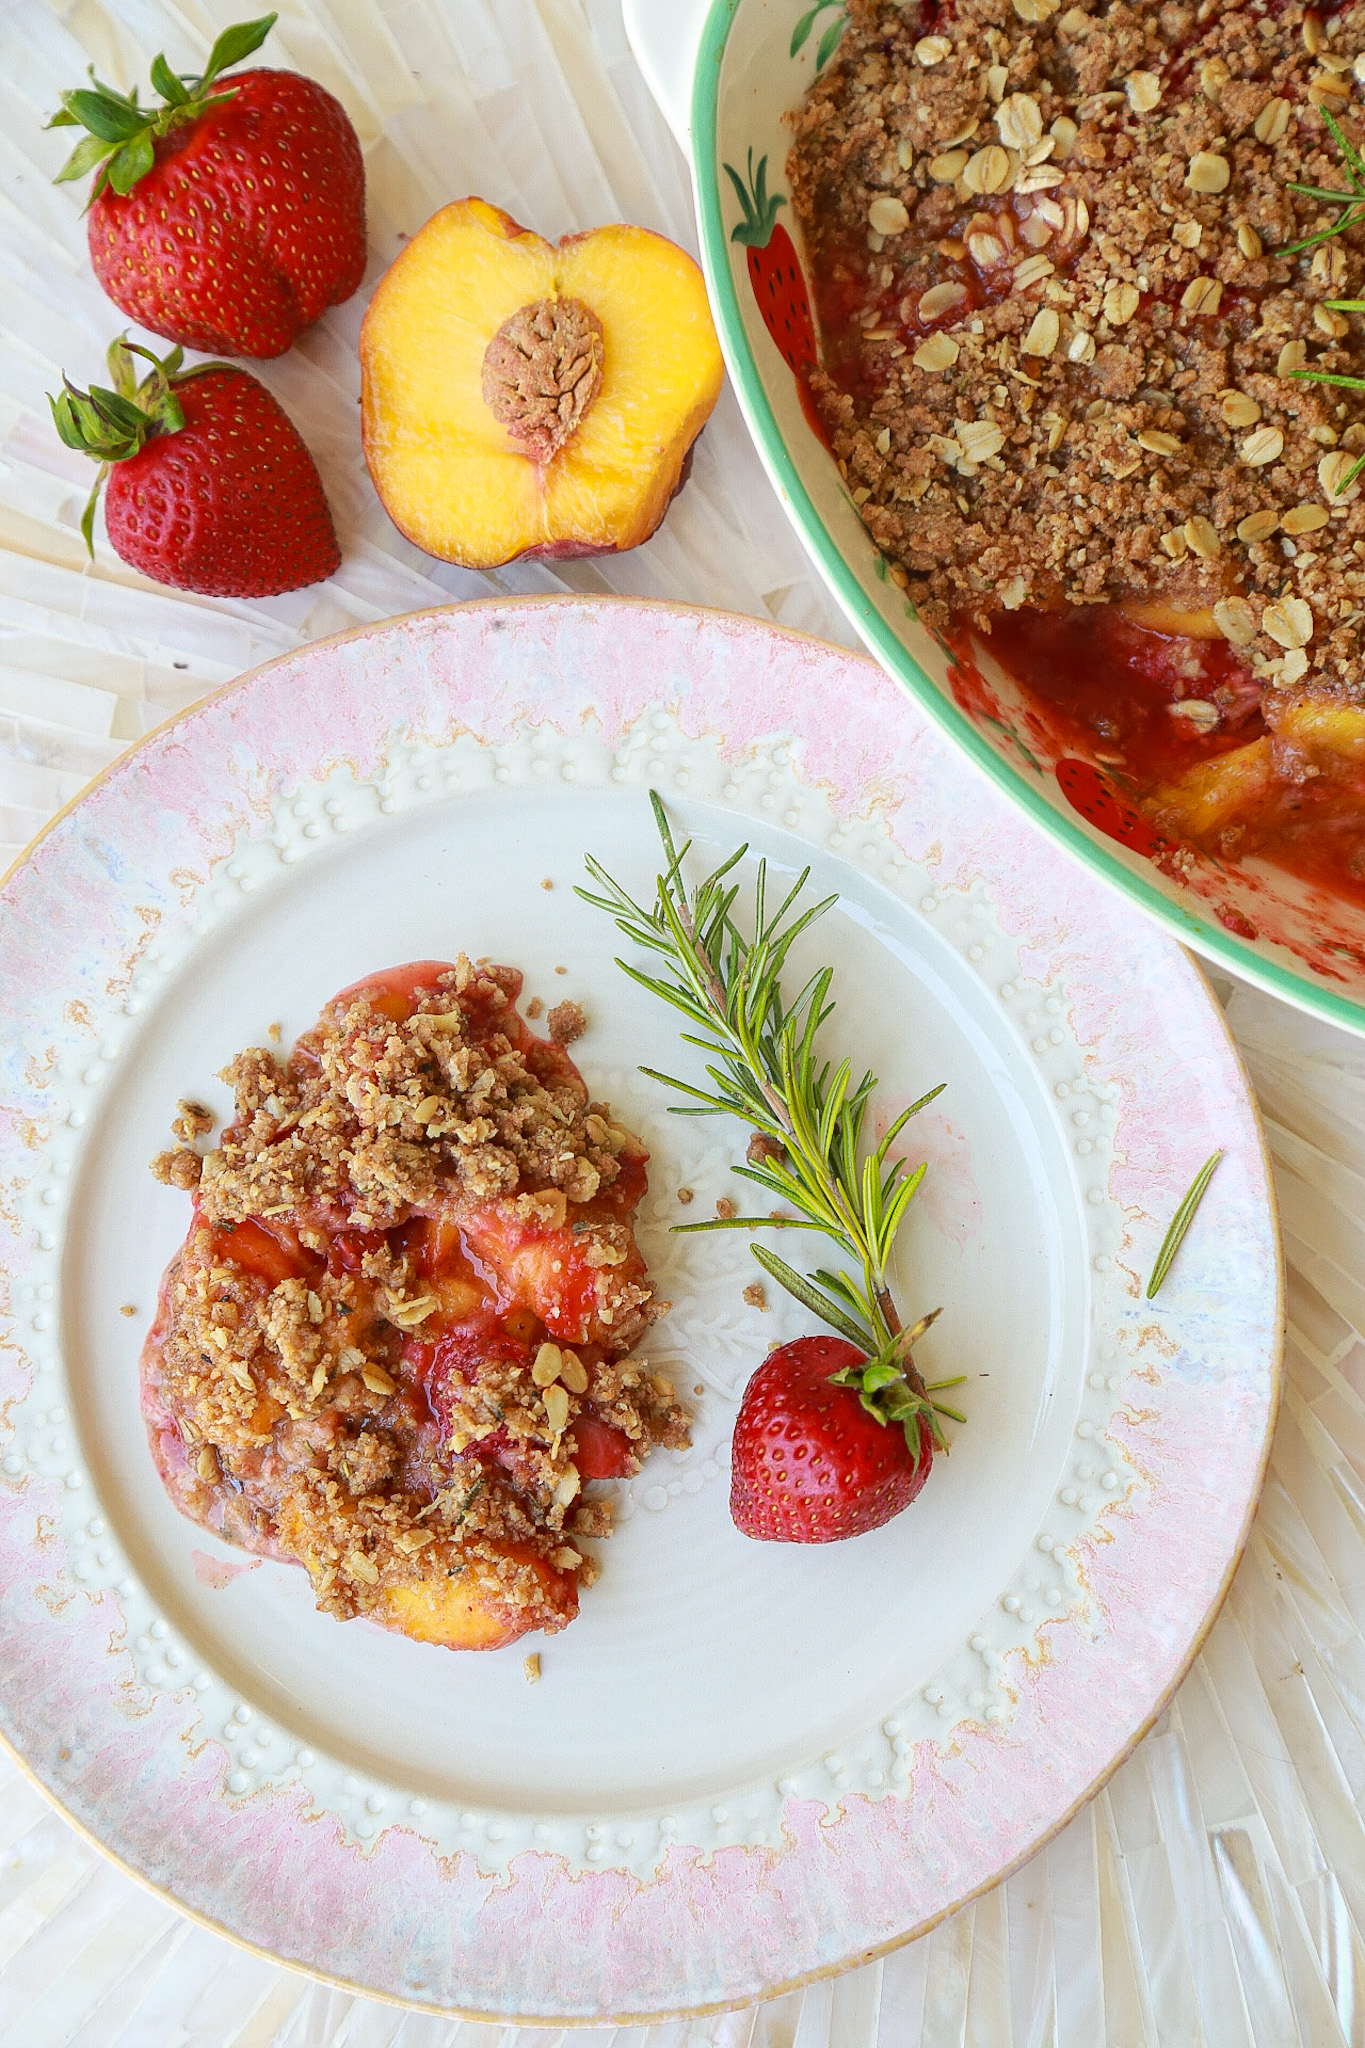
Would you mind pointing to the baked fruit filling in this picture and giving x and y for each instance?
(394, 1347)
(1085, 275)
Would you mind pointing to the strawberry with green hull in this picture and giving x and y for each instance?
(232, 216)
(210, 487)
(833, 1437)
(812, 1461)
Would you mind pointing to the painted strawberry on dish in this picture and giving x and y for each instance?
(1089, 791)
(774, 268)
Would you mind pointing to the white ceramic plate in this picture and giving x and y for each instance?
(745, 1764)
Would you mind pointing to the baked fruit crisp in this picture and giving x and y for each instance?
(1089, 282)
(394, 1346)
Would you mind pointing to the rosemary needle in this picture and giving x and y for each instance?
(1180, 1223)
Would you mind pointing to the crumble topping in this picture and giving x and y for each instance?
(409, 1288)
(369, 1113)
(1059, 339)
(191, 1120)
(566, 1022)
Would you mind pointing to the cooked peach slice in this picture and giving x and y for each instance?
(467, 1610)
(452, 1612)
(1186, 622)
(526, 398)
(1337, 730)
(583, 1279)
(471, 1613)
(1216, 792)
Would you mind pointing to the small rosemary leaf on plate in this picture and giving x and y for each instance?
(749, 1223)
(1180, 1223)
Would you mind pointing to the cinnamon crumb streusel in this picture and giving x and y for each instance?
(1059, 341)
(393, 1346)
(566, 1022)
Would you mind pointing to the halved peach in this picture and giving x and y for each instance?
(525, 398)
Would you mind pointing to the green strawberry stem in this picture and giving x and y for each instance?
(758, 205)
(122, 135)
(808, 1118)
(110, 425)
(891, 1390)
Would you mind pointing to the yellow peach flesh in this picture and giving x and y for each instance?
(1213, 794)
(464, 1613)
(651, 407)
(457, 1297)
(457, 1613)
(429, 438)
(451, 477)
(1190, 624)
(1334, 729)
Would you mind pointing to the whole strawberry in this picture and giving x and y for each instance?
(816, 1455)
(230, 217)
(210, 487)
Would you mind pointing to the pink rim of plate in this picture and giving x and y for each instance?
(850, 1881)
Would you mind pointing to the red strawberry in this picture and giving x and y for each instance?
(210, 486)
(227, 219)
(600, 1450)
(1089, 790)
(816, 1459)
(774, 269)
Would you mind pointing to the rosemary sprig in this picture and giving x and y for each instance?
(1352, 204)
(764, 1068)
(1180, 1223)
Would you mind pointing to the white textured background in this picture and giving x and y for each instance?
(1214, 1895)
